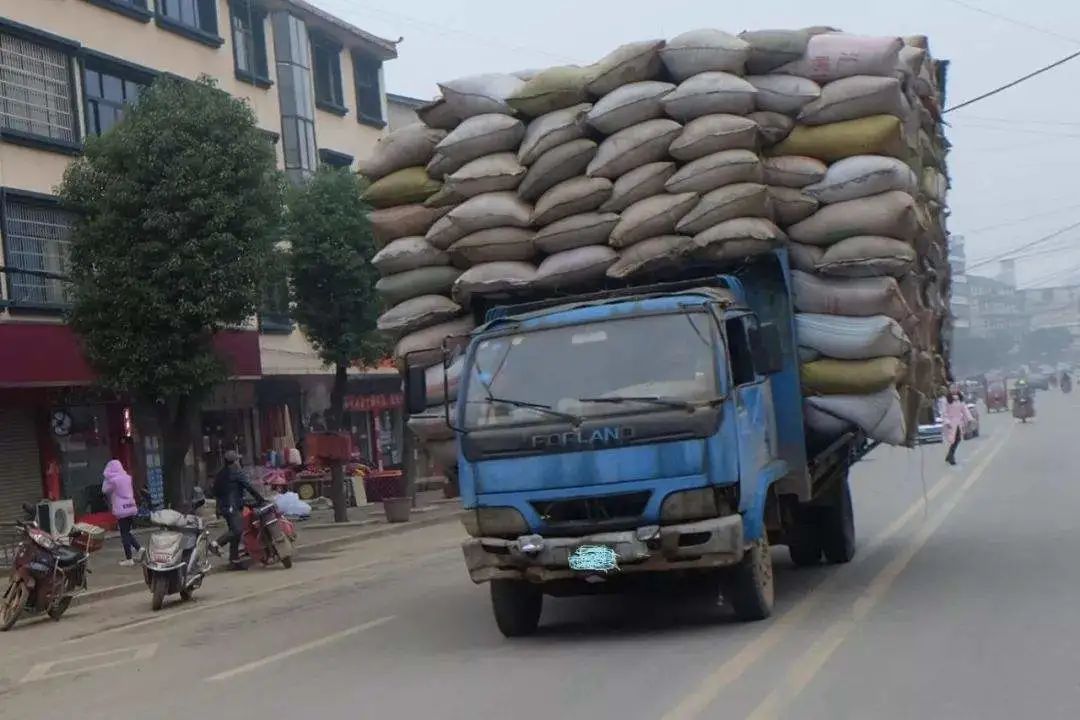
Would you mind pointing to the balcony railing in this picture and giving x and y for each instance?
(35, 290)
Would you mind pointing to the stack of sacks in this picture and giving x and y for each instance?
(859, 187)
(700, 150)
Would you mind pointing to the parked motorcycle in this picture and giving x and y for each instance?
(48, 572)
(177, 558)
(268, 534)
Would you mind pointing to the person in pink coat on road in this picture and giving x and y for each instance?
(955, 416)
(118, 489)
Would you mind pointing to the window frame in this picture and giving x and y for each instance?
(321, 43)
(362, 116)
(142, 13)
(257, 14)
(210, 38)
(70, 49)
(101, 63)
(28, 198)
(335, 159)
(743, 321)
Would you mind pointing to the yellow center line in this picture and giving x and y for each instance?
(694, 703)
(807, 667)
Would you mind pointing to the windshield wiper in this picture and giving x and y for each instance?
(649, 400)
(544, 409)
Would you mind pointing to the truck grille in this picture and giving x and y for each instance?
(606, 511)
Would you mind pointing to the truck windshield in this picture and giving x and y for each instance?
(655, 362)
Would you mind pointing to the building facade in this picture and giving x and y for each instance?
(68, 68)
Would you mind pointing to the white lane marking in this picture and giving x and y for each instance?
(85, 663)
(314, 644)
(709, 689)
(806, 668)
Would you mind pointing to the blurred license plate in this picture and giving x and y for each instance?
(594, 558)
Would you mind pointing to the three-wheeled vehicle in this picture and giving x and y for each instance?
(1023, 402)
(997, 396)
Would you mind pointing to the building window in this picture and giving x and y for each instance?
(369, 105)
(36, 93)
(335, 159)
(249, 42)
(107, 92)
(296, 99)
(37, 236)
(327, 59)
(196, 19)
(136, 9)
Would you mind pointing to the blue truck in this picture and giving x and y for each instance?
(639, 434)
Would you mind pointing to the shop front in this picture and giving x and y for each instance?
(373, 414)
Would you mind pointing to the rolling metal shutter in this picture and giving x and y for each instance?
(20, 468)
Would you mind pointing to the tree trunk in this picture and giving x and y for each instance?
(174, 420)
(334, 424)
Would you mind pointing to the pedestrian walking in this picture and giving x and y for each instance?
(230, 484)
(955, 415)
(117, 487)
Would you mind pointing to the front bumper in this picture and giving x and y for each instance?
(704, 544)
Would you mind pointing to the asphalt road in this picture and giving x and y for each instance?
(960, 607)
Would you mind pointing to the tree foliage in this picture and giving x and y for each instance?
(333, 284)
(177, 209)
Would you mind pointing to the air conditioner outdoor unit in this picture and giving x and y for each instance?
(56, 516)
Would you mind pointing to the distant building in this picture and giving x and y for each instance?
(402, 110)
(996, 309)
(1054, 307)
(960, 298)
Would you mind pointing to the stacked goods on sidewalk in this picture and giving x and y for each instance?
(702, 150)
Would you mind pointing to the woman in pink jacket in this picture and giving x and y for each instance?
(118, 488)
(955, 416)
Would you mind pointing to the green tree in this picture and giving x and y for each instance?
(333, 284)
(177, 209)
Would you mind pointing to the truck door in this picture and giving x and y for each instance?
(755, 422)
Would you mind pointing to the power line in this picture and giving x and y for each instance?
(1017, 120)
(1014, 21)
(1017, 221)
(1022, 131)
(1025, 246)
(1016, 82)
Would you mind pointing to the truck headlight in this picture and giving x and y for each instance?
(689, 505)
(504, 522)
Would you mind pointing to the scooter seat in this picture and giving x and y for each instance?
(67, 557)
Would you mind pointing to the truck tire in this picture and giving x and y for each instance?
(804, 544)
(837, 529)
(517, 606)
(749, 584)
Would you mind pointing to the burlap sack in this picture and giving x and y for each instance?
(710, 134)
(770, 49)
(791, 205)
(726, 203)
(756, 229)
(857, 297)
(699, 51)
(408, 253)
(834, 56)
(431, 338)
(716, 170)
(638, 184)
(444, 233)
(493, 245)
(418, 313)
(552, 89)
(436, 280)
(804, 257)
(591, 228)
(879, 415)
(852, 338)
(772, 126)
(651, 217)
(437, 114)
(629, 105)
(573, 268)
(793, 171)
(655, 254)
(571, 197)
(867, 256)
(890, 214)
(554, 166)
(491, 173)
(633, 147)
(479, 136)
(493, 279)
(402, 221)
(710, 93)
(409, 146)
(402, 187)
(629, 63)
(786, 94)
(876, 135)
(491, 210)
(862, 176)
(856, 97)
(851, 377)
(480, 94)
(552, 130)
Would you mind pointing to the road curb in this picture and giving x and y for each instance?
(389, 529)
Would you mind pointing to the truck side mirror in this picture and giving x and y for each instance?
(767, 349)
(415, 388)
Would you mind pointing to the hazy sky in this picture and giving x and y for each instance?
(1015, 155)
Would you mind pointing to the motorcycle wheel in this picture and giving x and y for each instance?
(13, 603)
(58, 610)
(159, 586)
(286, 559)
(187, 594)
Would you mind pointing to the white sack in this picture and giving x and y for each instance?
(851, 338)
(710, 93)
(629, 105)
(699, 51)
(879, 415)
(862, 176)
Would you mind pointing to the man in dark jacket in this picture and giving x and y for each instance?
(230, 484)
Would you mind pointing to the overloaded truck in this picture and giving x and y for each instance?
(651, 311)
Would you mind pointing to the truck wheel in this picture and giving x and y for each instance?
(517, 605)
(838, 526)
(749, 585)
(804, 545)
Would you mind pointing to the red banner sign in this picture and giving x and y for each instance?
(373, 403)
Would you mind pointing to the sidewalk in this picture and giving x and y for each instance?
(108, 578)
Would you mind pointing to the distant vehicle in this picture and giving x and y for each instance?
(997, 397)
(971, 429)
(1039, 382)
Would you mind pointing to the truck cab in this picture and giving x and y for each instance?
(611, 437)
